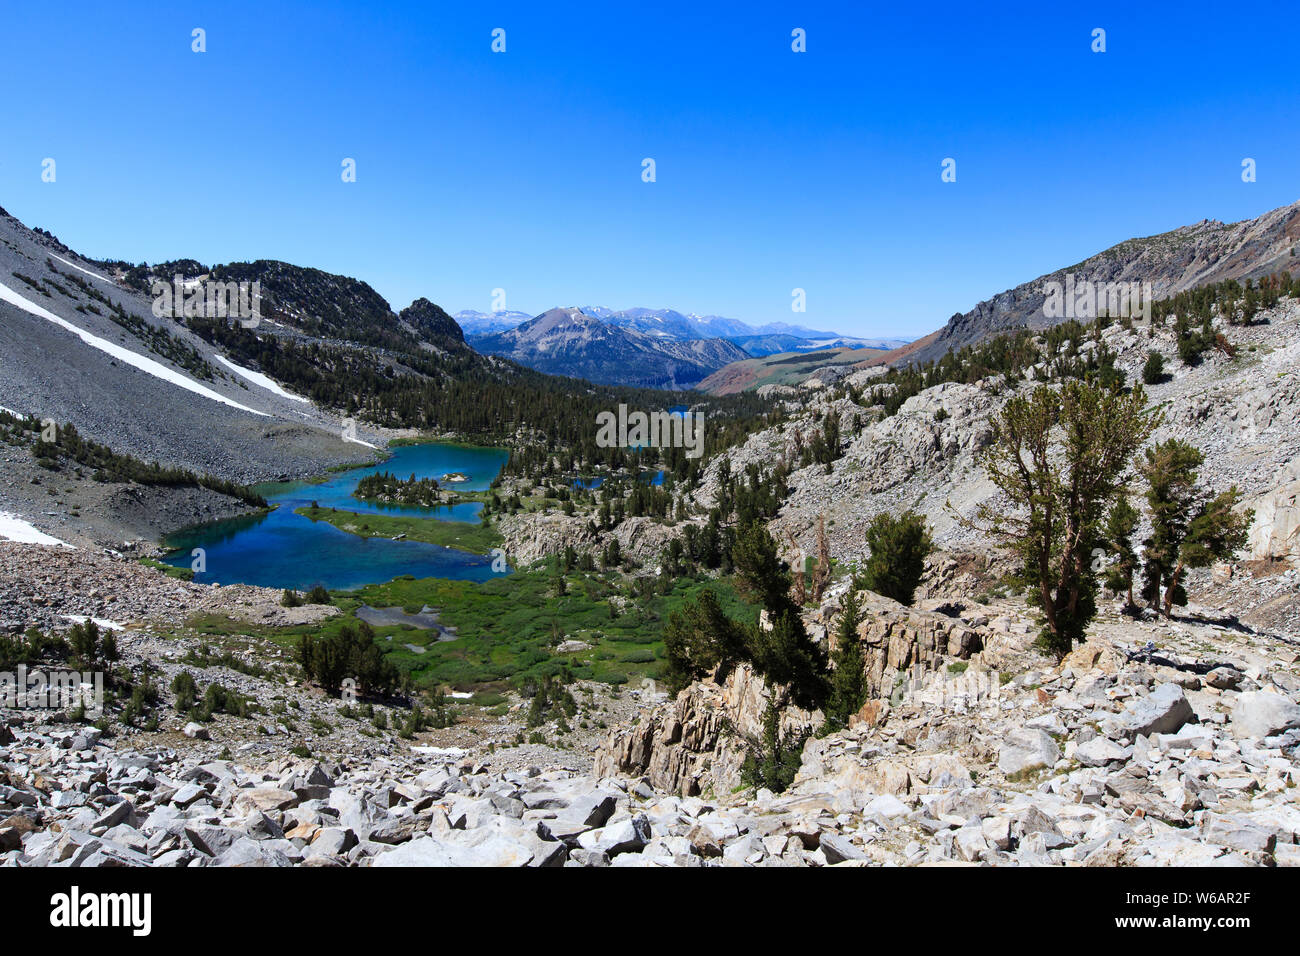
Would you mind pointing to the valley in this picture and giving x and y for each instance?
(554, 649)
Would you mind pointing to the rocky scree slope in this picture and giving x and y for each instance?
(976, 749)
(973, 749)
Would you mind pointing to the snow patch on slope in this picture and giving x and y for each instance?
(257, 378)
(156, 369)
(14, 528)
(104, 623)
(93, 275)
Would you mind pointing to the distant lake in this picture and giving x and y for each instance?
(285, 550)
(587, 484)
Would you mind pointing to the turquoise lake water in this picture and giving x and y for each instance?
(285, 550)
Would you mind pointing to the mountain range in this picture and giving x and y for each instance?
(314, 382)
(572, 342)
(1163, 264)
(658, 348)
(668, 323)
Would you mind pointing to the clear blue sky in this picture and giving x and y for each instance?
(522, 170)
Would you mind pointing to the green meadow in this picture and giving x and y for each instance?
(508, 628)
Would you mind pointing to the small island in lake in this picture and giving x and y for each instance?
(383, 486)
(454, 476)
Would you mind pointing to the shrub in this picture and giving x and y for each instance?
(186, 691)
(350, 653)
(1153, 372)
(899, 546)
(318, 595)
(30, 648)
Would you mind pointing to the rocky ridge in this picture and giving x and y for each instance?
(1183, 258)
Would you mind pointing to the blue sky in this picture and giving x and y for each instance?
(522, 170)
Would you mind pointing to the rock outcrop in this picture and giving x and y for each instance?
(900, 640)
(1275, 535)
(697, 743)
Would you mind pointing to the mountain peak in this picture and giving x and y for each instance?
(431, 321)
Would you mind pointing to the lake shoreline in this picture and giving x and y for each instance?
(317, 531)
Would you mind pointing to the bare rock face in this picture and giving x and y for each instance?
(1025, 749)
(967, 572)
(900, 639)
(1275, 535)
(697, 743)
(1260, 714)
(1092, 654)
(1162, 712)
(530, 538)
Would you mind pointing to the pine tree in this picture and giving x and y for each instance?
(784, 654)
(774, 759)
(1190, 527)
(788, 657)
(761, 572)
(87, 648)
(848, 679)
(700, 639)
(1060, 456)
(1121, 523)
(899, 546)
(1170, 471)
(1153, 371)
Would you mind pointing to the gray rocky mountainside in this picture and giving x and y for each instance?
(78, 348)
(80, 345)
(567, 341)
(1172, 262)
(1207, 251)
